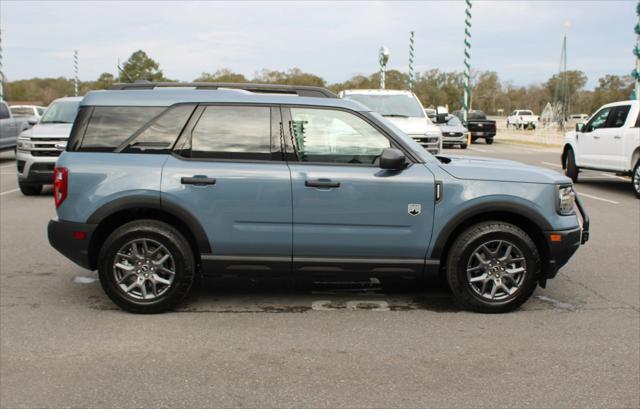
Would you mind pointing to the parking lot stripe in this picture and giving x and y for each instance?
(8, 166)
(8, 191)
(552, 164)
(598, 198)
(478, 149)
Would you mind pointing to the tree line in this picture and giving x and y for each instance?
(433, 87)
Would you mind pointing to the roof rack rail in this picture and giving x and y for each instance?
(300, 90)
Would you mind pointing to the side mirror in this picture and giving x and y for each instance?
(32, 121)
(441, 118)
(579, 127)
(392, 159)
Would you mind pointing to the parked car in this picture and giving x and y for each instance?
(479, 126)
(158, 186)
(609, 142)
(40, 146)
(10, 127)
(28, 111)
(453, 132)
(404, 110)
(522, 119)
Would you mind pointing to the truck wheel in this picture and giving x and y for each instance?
(146, 267)
(30, 189)
(636, 180)
(463, 146)
(488, 141)
(570, 168)
(493, 267)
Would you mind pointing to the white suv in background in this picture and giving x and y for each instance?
(522, 118)
(404, 110)
(609, 142)
(38, 148)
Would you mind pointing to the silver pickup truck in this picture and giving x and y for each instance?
(10, 127)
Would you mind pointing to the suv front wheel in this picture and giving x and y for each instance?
(493, 267)
(146, 267)
(635, 179)
(30, 189)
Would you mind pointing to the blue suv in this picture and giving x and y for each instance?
(162, 183)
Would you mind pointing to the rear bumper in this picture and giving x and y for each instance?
(62, 238)
(483, 134)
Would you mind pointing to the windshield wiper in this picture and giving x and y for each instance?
(396, 115)
(55, 122)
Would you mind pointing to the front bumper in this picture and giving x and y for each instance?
(35, 169)
(563, 244)
(64, 236)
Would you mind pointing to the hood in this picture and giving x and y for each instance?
(48, 131)
(475, 168)
(453, 128)
(413, 125)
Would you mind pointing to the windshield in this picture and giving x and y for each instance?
(454, 121)
(21, 111)
(61, 112)
(526, 113)
(390, 105)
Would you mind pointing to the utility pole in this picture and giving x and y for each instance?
(383, 59)
(411, 61)
(75, 72)
(467, 61)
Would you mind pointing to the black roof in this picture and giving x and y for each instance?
(300, 90)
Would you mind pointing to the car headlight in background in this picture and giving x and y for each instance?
(566, 200)
(24, 144)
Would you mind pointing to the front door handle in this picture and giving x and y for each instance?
(322, 183)
(617, 137)
(198, 180)
(596, 137)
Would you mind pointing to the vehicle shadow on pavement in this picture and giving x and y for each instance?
(240, 295)
(609, 185)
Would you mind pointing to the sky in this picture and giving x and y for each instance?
(520, 40)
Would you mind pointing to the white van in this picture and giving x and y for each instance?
(404, 110)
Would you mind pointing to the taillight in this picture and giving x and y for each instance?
(60, 185)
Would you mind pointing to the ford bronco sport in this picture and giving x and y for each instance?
(160, 184)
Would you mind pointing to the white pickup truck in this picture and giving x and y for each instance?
(522, 118)
(609, 142)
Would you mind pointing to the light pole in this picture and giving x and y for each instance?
(411, 61)
(467, 61)
(383, 59)
(75, 72)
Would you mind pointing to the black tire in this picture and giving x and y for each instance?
(635, 179)
(30, 189)
(570, 168)
(473, 139)
(462, 252)
(158, 232)
(463, 146)
(489, 141)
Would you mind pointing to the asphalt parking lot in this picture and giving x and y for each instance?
(246, 344)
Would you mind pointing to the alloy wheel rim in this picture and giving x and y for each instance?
(496, 270)
(636, 179)
(144, 269)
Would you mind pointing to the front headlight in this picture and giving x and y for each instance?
(566, 200)
(24, 144)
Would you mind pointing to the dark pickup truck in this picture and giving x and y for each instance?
(479, 126)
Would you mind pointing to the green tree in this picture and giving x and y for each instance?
(140, 66)
(223, 75)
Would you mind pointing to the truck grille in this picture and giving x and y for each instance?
(430, 143)
(453, 134)
(46, 146)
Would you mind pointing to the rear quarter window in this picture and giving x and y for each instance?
(109, 127)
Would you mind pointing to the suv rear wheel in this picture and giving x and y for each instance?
(570, 168)
(493, 267)
(30, 189)
(146, 267)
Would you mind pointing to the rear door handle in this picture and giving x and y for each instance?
(198, 180)
(322, 183)
(617, 137)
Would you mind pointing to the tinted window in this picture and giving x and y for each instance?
(526, 113)
(233, 133)
(475, 115)
(61, 112)
(4, 112)
(22, 111)
(618, 116)
(110, 126)
(323, 135)
(163, 132)
(599, 120)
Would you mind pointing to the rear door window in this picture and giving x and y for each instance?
(111, 126)
(618, 116)
(232, 132)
